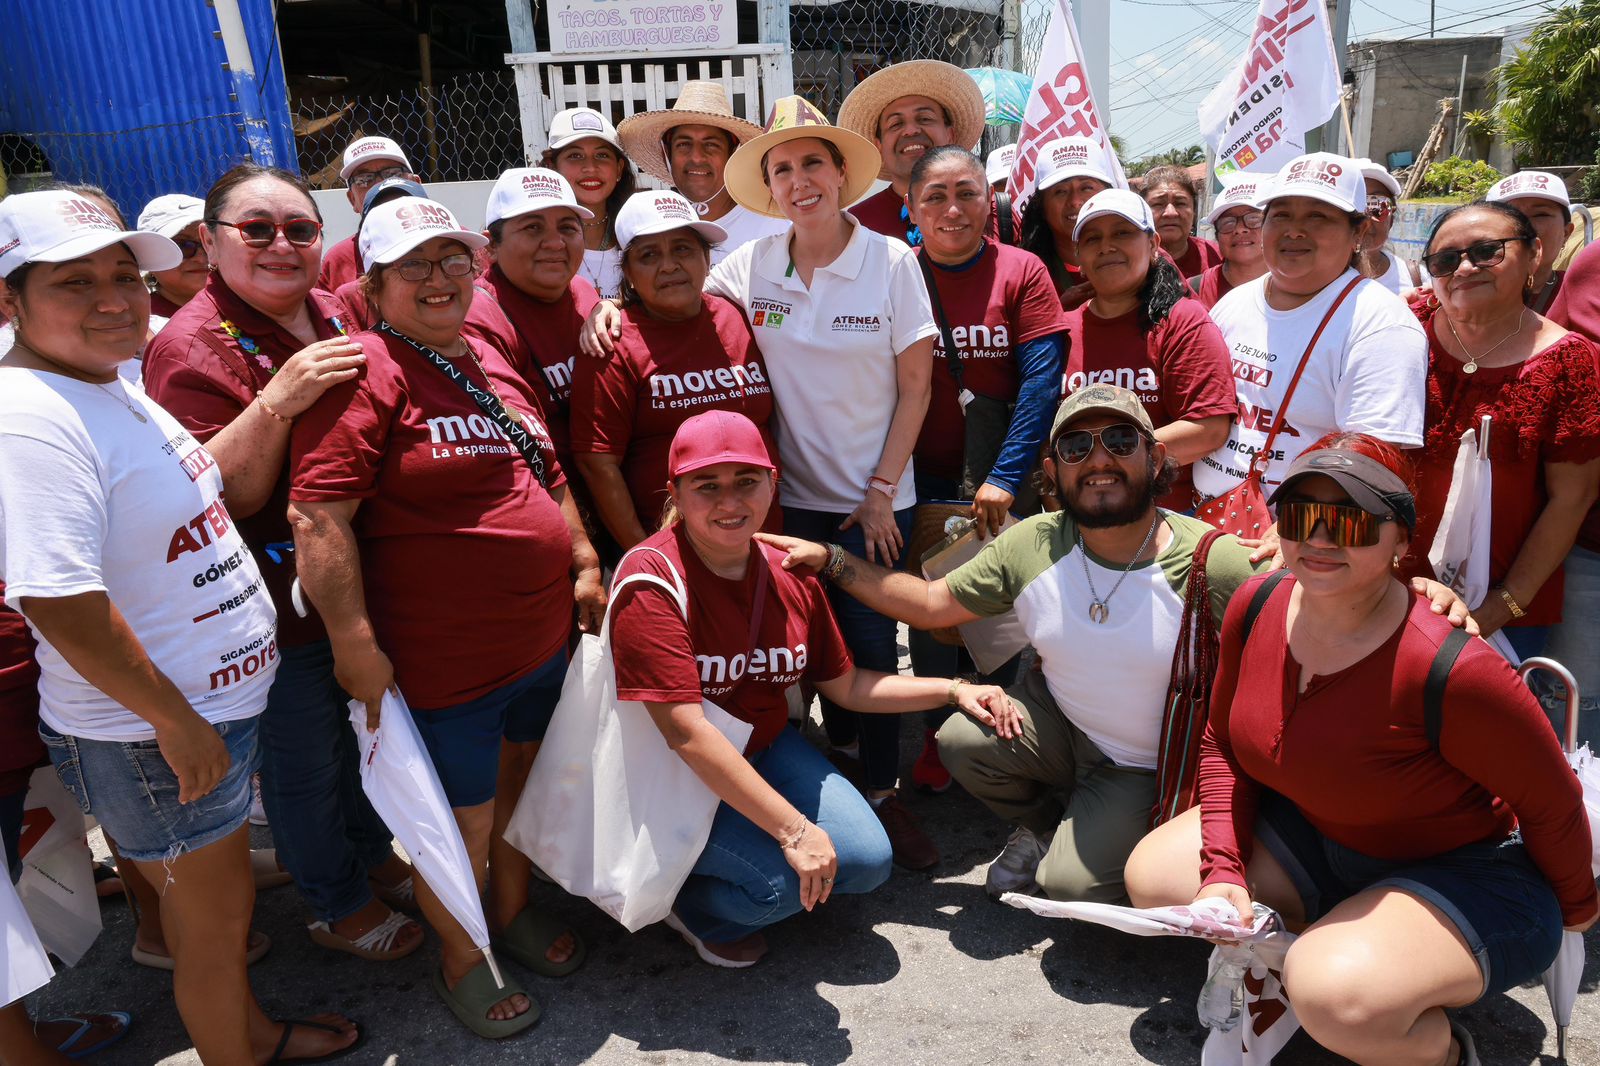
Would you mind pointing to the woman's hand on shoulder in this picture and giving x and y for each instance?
(802, 555)
(1443, 600)
(989, 705)
(600, 331)
(310, 372)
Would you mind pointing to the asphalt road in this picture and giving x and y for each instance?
(925, 970)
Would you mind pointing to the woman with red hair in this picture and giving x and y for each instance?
(1432, 854)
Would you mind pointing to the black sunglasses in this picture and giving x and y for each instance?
(261, 232)
(189, 248)
(1482, 254)
(1075, 445)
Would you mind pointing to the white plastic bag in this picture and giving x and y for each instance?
(57, 885)
(1459, 554)
(1587, 766)
(23, 963)
(609, 811)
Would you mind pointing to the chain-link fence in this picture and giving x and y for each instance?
(463, 129)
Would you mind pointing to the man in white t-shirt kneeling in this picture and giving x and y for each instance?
(1080, 784)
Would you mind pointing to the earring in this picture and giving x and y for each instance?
(1529, 286)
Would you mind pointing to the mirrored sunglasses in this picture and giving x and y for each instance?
(1348, 525)
(1075, 445)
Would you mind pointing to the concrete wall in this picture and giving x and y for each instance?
(1400, 84)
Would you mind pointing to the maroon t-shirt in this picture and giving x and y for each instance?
(662, 374)
(1180, 369)
(465, 559)
(20, 747)
(994, 306)
(160, 305)
(880, 213)
(1577, 306)
(485, 320)
(1214, 285)
(1352, 753)
(1200, 256)
(341, 264)
(1546, 409)
(205, 376)
(550, 332)
(710, 656)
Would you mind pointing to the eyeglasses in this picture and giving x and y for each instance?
(372, 177)
(458, 265)
(1075, 445)
(1225, 226)
(1379, 207)
(189, 248)
(1482, 254)
(261, 232)
(1348, 525)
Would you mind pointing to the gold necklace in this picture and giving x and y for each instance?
(1471, 365)
(68, 372)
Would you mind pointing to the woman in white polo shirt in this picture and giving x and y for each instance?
(843, 321)
(1366, 372)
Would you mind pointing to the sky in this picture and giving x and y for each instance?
(1166, 55)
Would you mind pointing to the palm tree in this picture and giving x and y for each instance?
(1549, 108)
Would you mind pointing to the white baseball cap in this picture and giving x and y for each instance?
(1333, 179)
(171, 214)
(1537, 183)
(1379, 174)
(652, 212)
(58, 225)
(369, 148)
(1072, 157)
(576, 123)
(395, 227)
(1124, 203)
(1242, 193)
(998, 166)
(525, 189)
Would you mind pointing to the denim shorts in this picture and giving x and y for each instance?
(130, 789)
(464, 741)
(1490, 891)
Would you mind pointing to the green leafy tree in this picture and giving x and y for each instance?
(1464, 179)
(1549, 107)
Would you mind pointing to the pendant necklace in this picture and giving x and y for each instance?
(1471, 365)
(132, 410)
(67, 372)
(1100, 610)
(704, 208)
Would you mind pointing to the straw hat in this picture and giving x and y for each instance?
(793, 118)
(702, 103)
(942, 82)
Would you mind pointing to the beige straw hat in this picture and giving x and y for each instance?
(702, 103)
(942, 82)
(793, 118)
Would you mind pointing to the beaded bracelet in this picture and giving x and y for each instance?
(267, 407)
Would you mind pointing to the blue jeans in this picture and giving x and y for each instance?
(130, 787)
(327, 834)
(742, 884)
(1573, 644)
(870, 637)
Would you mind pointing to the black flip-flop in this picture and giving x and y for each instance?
(289, 1028)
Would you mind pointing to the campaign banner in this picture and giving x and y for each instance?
(1285, 84)
(578, 26)
(1062, 104)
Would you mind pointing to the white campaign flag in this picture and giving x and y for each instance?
(1062, 104)
(1286, 83)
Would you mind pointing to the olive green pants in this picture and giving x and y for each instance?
(1053, 777)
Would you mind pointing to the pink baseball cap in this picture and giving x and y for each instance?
(716, 437)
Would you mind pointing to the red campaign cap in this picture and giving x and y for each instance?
(716, 437)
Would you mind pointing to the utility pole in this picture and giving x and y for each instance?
(1327, 136)
(1094, 30)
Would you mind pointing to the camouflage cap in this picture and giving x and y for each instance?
(1109, 399)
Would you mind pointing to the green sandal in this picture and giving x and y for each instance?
(475, 993)
(528, 936)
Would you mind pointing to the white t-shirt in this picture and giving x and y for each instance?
(94, 500)
(743, 226)
(1367, 375)
(831, 351)
(603, 270)
(1397, 278)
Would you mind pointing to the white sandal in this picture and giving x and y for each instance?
(375, 945)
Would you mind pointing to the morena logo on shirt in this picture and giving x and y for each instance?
(980, 341)
(706, 386)
(777, 665)
(856, 324)
(1141, 379)
(768, 313)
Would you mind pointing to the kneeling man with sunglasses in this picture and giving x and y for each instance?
(1099, 589)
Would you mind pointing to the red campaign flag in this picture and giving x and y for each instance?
(1062, 104)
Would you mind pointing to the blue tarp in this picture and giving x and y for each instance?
(136, 95)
